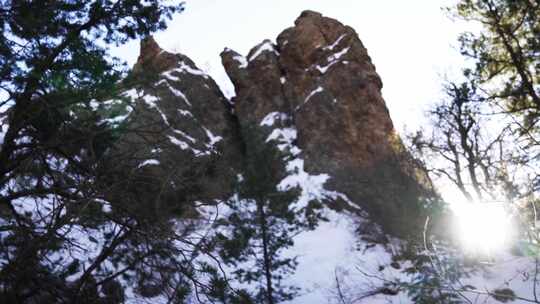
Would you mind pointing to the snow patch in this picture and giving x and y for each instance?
(338, 55)
(170, 76)
(332, 59)
(149, 162)
(117, 119)
(184, 146)
(267, 46)
(311, 186)
(319, 89)
(271, 117)
(333, 45)
(191, 139)
(333, 251)
(213, 138)
(179, 93)
(174, 90)
(285, 138)
(185, 113)
(94, 105)
(131, 94)
(242, 60)
(179, 143)
(184, 68)
(325, 68)
(105, 205)
(151, 103)
(505, 271)
(194, 71)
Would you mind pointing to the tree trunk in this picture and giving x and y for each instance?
(266, 254)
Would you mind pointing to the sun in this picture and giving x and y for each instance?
(483, 228)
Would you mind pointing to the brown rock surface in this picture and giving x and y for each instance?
(181, 144)
(153, 58)
(321, 92)
(320, 74)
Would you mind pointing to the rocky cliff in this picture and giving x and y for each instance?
(315, 94)
(320, 76)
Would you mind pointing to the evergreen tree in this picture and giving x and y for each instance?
(54, 66)
(260, 224)
(506, 55)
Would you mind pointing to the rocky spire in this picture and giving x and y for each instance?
(316, 90)
(149, 49)
(153, 58)
(320, 74)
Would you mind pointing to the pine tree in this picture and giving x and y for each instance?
(260, 224)
(55, 63)
(506, 55)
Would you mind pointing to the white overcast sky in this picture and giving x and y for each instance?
(412, 43)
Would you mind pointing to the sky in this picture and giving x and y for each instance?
(413, 44)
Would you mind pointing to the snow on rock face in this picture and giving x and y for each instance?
(271, 118)
(336, 43)
(353, 140)
(265, 46)
(181, 115)
(122, 107)
(184, 68)
(148, 162)
(242, 60)
(173, 90)
(213, 139)
(311, 185)
(332, 59)
(319, 89)
(191, 126)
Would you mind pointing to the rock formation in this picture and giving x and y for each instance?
(315, 94)
(320, 75)
(182, 136)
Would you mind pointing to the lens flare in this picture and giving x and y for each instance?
(483, 228)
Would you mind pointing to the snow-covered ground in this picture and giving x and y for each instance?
(332, 253)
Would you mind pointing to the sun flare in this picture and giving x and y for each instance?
(483, 228)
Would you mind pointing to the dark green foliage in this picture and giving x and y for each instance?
(435, 276)
(505, 53)
(55, 67)
(260, 224)
(504, 295)
(436, 281)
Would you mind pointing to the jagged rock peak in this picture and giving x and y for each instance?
(185, 127)
(307, 45)
(320, 75)
(316, 88)
(309, 13)
(152, 58)
(149, 49)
